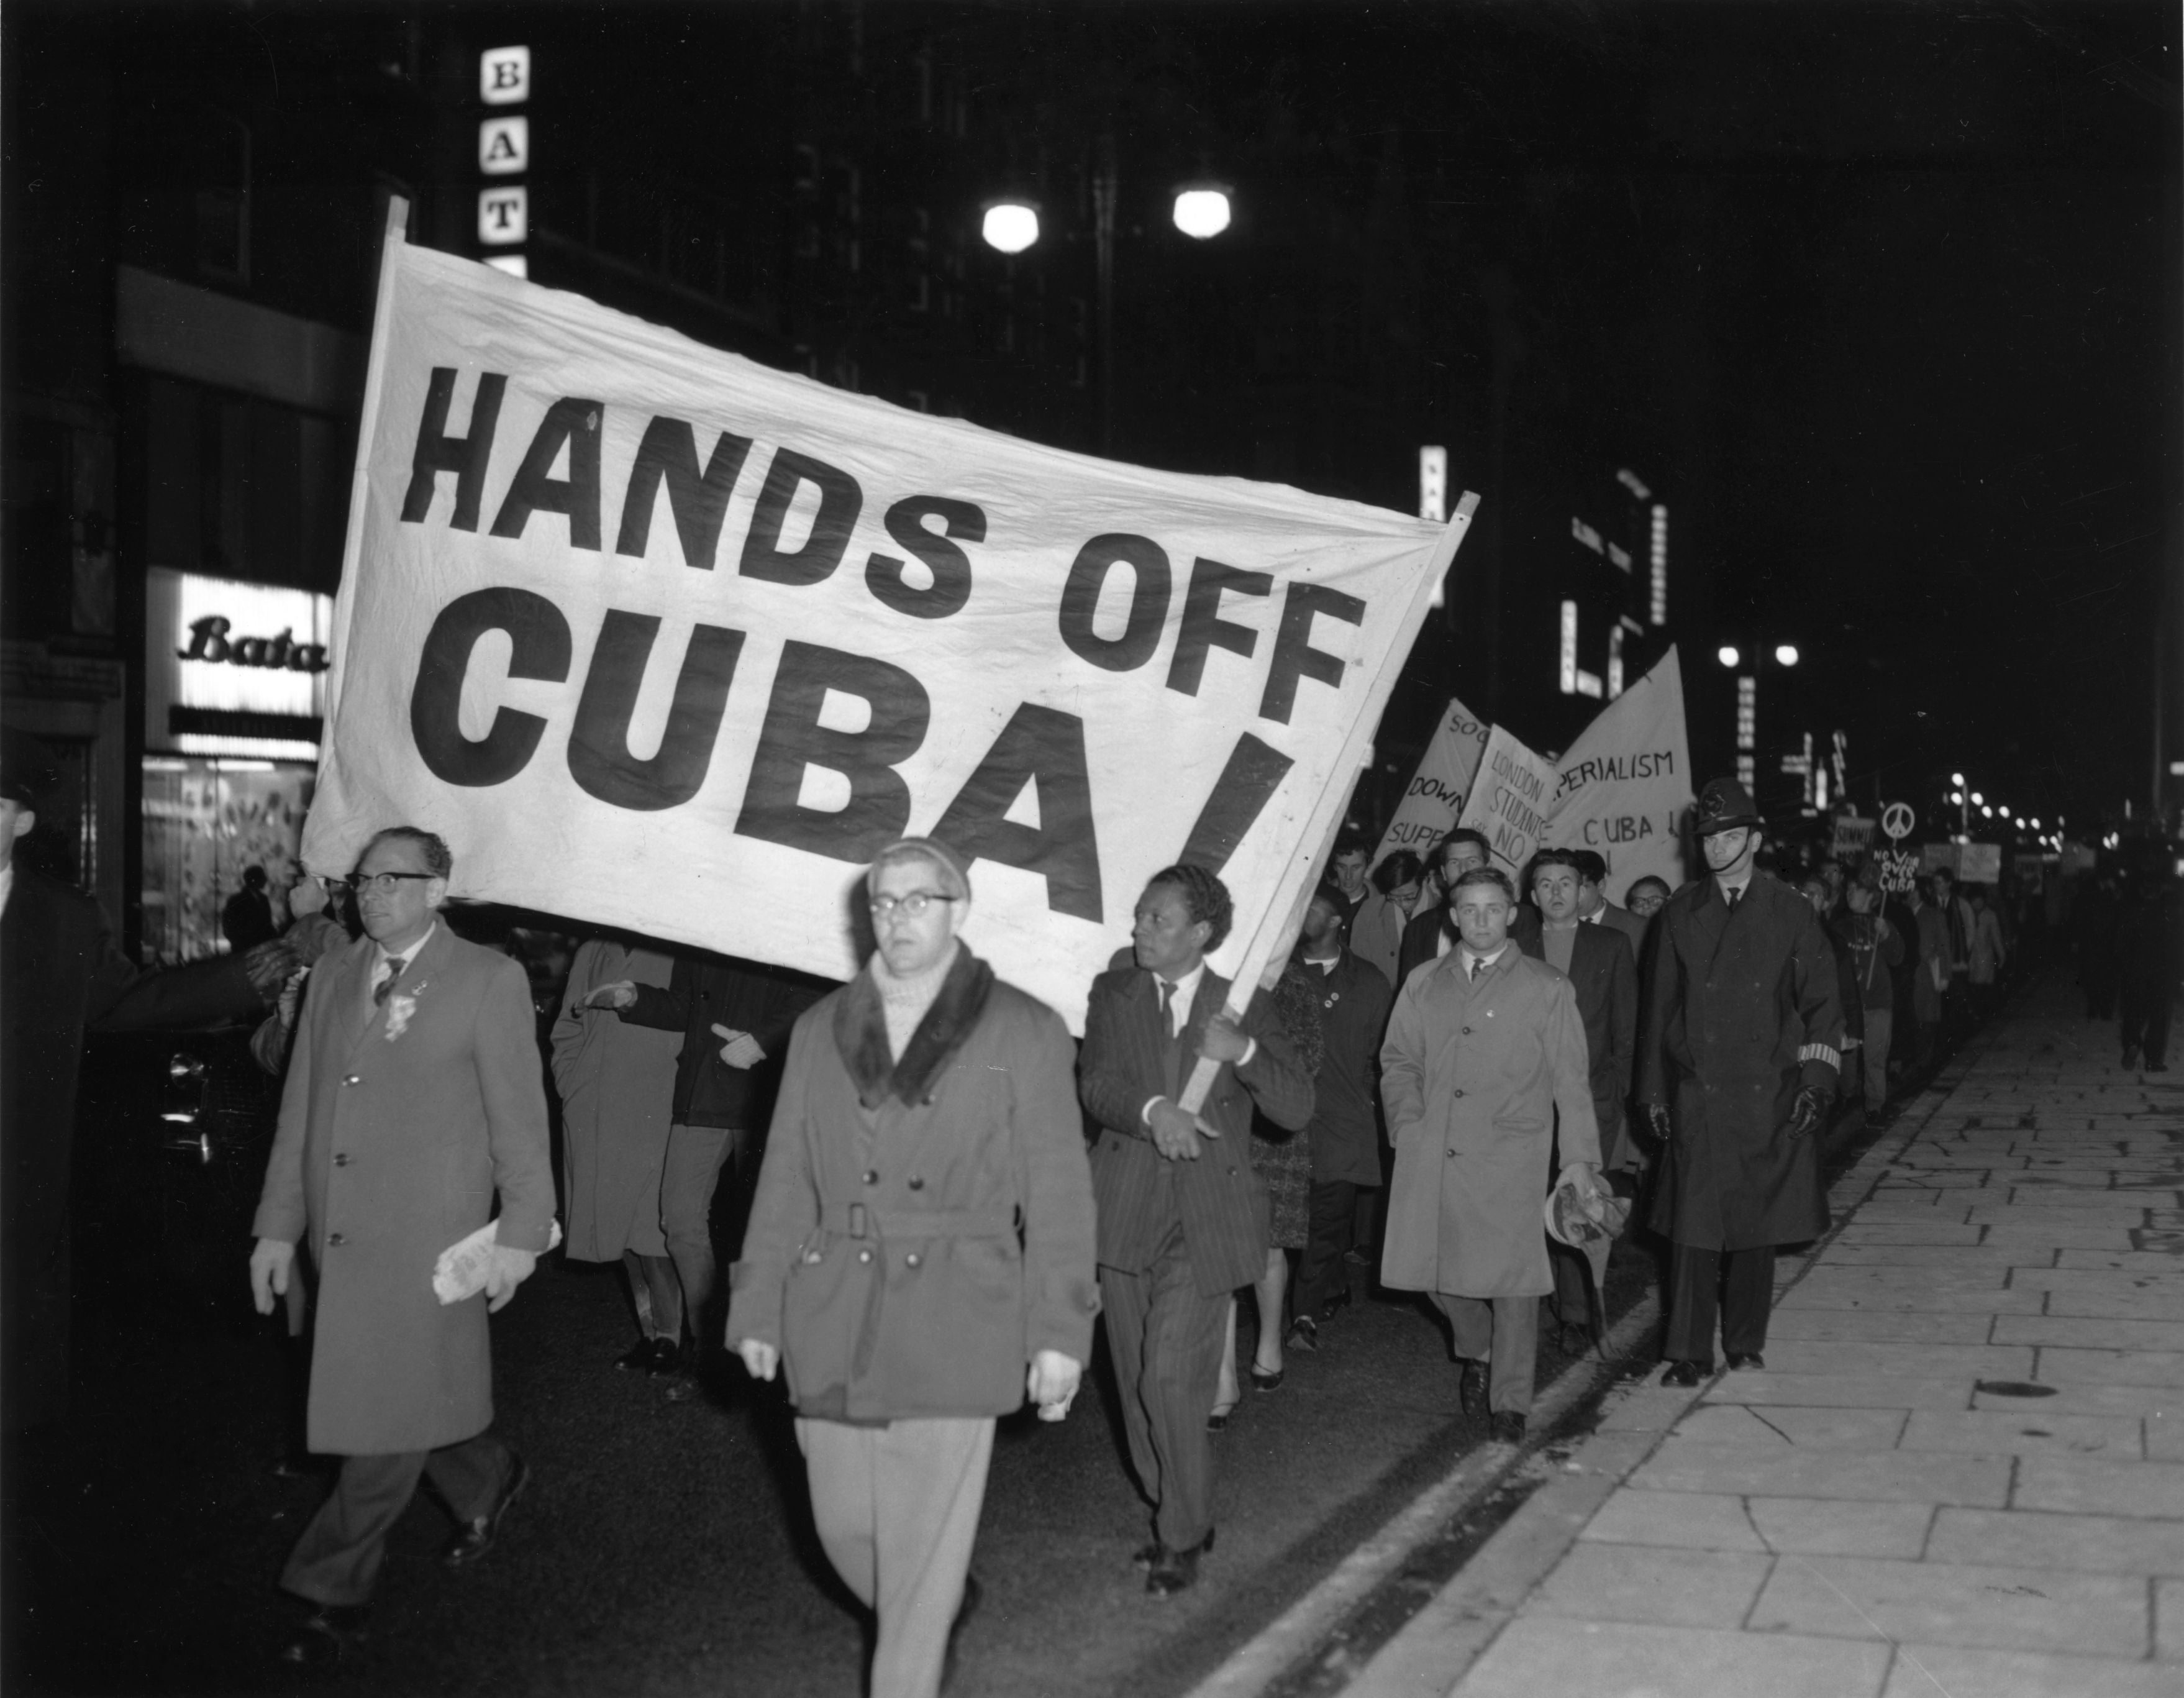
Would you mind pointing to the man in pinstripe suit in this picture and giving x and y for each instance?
(1182, 1217)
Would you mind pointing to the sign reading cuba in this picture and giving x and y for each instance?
(661, 639)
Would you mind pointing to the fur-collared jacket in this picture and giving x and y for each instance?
(923, 1224)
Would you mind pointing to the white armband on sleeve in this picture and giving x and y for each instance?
(1820, 1051)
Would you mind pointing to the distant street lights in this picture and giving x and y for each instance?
(1201, 210)
(1747, 710)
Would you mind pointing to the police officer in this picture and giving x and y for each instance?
(1742, 1054)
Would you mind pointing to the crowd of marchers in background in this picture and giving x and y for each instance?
(1463, 1085)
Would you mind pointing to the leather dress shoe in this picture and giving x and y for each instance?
(1174, 1571)
(1739, 1360)
(1145, 1556)
(1334, 1305)
(1304, 1334)
(1686, 1373)
(1470, 1387)
(328, 1632)
(1262, 1381)
(474, 1537)
(1508, 1426)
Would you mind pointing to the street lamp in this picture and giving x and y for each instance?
(1202, 213)
(1747, 710)
(1010, 226)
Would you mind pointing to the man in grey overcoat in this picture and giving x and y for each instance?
(413, 1096)
(1485, 1048)
(1738, 1063)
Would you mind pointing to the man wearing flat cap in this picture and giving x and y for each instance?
(1740, 1058)
(61, 974)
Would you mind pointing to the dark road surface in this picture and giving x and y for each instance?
(663, 1546)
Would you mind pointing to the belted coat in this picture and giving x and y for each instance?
(1742, 1011)
(922, 1227)
(1473, 1074)
(399, 1123)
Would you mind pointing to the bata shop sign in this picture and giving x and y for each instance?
(234, 668)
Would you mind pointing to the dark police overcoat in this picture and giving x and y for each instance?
(1742, 1010)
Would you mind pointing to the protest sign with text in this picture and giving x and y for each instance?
(1509, 801)
(660, 639)
(1625, 784)
(1435, 796)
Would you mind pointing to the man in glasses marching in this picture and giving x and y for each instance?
(413, 1097)
(919, 1257)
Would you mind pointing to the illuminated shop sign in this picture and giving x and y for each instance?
(234, 668)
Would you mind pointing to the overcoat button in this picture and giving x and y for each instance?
(353, 1079)
(335, 1238)
(1455, 1093)
(864, 1255)
(917, 1183)
(812, 1256)
(872, 1177)
(1466, 1031)
(911, 1258)
(1452, 1152)
(341, 1159)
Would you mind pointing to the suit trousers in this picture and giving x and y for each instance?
(337, 1559)
(2145, 1025)
(689, 1174)
(1741, 1281)
(1322, 1275)
(1502, 1332)
(1879, 1028)
(1166, 1336)
(897, 1510)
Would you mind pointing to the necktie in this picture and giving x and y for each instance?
(1732, 897)
(1477, 962)
(1166, 996)
(394, 965)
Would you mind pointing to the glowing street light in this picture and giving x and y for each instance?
(1987, 813)
(1201, 214)
(1727, 655)
(1010, 226)
(1956, 778)
(2003, 811)
(1977, 798)
(1785, 654)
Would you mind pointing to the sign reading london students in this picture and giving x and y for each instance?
(663, 640)
(1436, 793)
(1509, 799)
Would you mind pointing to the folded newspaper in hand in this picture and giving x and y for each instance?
(461, 1270)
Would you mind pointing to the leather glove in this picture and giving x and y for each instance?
(1657, 1120)
(1805, 1117)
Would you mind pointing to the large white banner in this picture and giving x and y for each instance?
(1509, 801)
(1436, 792)
(1625, 784)
(661, 639)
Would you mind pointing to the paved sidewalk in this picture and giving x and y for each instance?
(1961, 1474)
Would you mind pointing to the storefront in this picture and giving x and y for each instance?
(234, 705)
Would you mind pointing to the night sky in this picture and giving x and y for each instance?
(1887, 297)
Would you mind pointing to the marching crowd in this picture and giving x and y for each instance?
(1470, 1083)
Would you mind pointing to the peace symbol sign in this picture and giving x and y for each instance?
(1897, 819)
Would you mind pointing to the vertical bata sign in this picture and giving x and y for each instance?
(661, 639)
